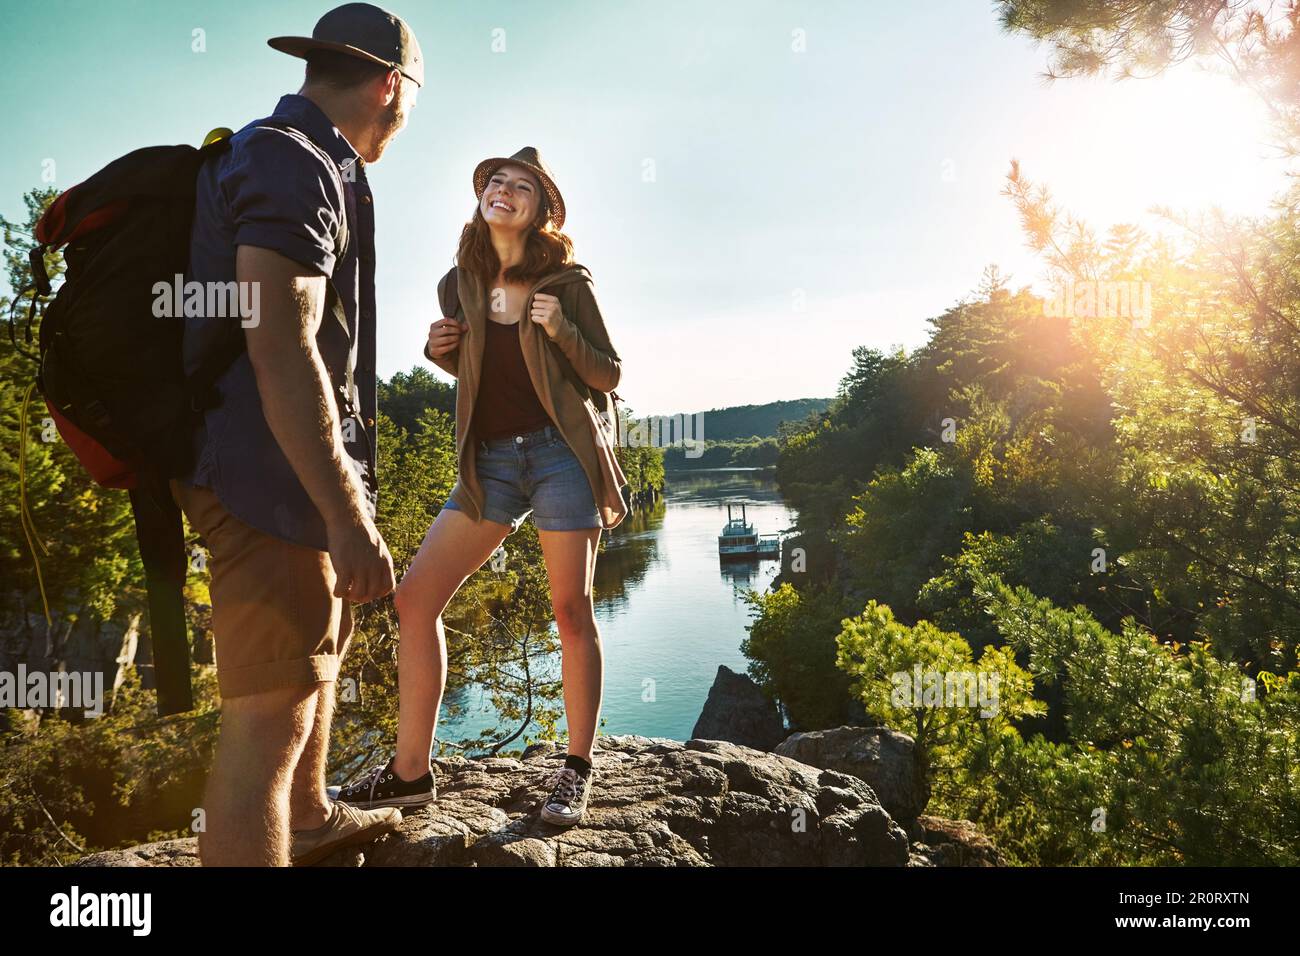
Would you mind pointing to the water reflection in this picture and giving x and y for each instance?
(743, 572)
(630, 551)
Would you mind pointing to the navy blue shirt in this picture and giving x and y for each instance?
(275, 189)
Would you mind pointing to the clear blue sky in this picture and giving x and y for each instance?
(858, 179)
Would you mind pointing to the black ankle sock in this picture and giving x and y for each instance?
(392, 768)
(578, 764)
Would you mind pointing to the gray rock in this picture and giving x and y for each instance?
(941, 842)
(162, 853)
(883, 758)
(738, 711)
(655, 802)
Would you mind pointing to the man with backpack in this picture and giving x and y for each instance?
(283, 488)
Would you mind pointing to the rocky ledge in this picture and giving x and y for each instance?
(656, 802)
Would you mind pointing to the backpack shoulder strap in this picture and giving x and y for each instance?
(161, 538)
(449, 293)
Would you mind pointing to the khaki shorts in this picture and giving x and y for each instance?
(276, 623)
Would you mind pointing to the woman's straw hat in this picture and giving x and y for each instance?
(526, 157)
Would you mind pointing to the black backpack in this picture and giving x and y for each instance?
(111, 371)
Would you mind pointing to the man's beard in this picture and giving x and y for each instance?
(390, 121)
(386, 126)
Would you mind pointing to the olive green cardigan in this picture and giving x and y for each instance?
(582, 341)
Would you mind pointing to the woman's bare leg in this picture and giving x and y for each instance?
(571, 566)
(454, 548)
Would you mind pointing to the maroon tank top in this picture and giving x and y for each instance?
(507, 403)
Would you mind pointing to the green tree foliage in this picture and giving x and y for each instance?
(68, 787)
(1130, 454)
(406, 395)
(1203, 510)
(838, 449)
(643, 465)
(1135, 464)
(1253, 42)
(745, 422)
(901, 526)
(1175, 757)
(1030, 554)
(925, 682)
(792, 653)
(753, 453)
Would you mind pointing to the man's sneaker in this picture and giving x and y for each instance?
(382, 787)
(347, 826)
(568, 800)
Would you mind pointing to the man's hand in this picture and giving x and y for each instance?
(362, 564)
(444, 336)
(546, 312)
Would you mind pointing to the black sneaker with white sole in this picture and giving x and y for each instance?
(382, 787)
(568, 800)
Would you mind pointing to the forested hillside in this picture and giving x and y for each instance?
(1093, 497)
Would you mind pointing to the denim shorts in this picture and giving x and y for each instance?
(534, 472)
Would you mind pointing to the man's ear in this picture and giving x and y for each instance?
(391, 88)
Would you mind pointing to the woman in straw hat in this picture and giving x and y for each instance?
(523, 335)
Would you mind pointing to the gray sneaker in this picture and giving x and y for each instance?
(568, 800)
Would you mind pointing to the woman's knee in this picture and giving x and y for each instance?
(415, 602)
(574, 616)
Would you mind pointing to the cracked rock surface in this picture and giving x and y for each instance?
(655, 802)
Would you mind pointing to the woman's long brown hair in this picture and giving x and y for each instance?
(546, 250)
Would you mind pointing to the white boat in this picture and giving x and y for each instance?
(738, 539)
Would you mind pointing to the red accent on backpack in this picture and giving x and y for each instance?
(49, 229)
(94, 457)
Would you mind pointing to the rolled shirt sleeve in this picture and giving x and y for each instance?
(284, 197)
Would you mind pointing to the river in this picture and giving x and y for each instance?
(669, 611)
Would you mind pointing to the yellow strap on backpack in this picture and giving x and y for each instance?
(24, 513)
(221, 132)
